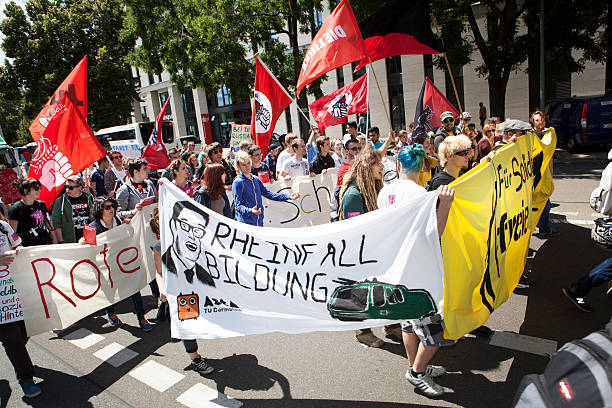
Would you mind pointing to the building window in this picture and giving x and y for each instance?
(396, 92)
(318, 20)
(288, 119)
(224, 96)
(428, 68)
(151, 80)
(187, 100)
(340, 76)
(163, 97)
(143, 112)
(358, 74)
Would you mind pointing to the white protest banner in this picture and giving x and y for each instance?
(225, 278)
(10, 307)
(60, 284)
(312, 208)
(128, 148)
(238, 134)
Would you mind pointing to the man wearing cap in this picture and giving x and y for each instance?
(512, 128)
(72, 210)
(448, 128)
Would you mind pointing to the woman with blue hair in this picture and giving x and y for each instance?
(422, 337)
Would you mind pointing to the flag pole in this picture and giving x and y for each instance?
(380, 93)
(450, 73)
(367, 102)
(256, 56)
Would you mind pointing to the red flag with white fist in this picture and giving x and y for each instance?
(269, 101)
(66, 147)
(333, 109)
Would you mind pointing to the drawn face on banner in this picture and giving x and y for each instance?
(188, 229)
(263, 112)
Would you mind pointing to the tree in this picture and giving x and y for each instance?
(205, 43)
(45, 41)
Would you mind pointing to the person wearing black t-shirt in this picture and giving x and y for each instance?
(454, 153)
(72, 210)
(259, 168)
(323, 160)
(29, 217)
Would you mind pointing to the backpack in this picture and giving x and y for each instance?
(601, 200)
(578, 375)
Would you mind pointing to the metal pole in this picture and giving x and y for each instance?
(542, 59)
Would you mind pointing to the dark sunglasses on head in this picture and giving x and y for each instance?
(36, 188)
(448, 120)
(108, 206)
(464, 152)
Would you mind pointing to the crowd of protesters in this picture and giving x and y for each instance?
(115, 189)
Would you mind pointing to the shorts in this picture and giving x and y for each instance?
(429, 330)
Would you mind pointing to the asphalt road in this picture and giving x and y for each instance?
(330, 369)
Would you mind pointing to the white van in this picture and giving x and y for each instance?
(133, 136)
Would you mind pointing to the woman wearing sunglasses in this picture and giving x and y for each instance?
(455, 153)
(104, 214)
(215, 153)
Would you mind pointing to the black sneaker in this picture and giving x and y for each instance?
(580, 302)
(198, 365)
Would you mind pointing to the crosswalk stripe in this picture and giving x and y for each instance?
(115, 354)
(520, 342)
(201, 396)
(156, 376)
(83, 338)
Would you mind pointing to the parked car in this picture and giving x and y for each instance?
(378, 300)
(581, 121)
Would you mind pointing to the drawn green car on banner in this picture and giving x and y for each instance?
(378, 300)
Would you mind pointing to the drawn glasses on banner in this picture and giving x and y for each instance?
(198, 232)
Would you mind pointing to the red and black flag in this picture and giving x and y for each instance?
(430, 105)
(399, 27)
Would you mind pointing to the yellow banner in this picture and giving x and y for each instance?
(496, 209)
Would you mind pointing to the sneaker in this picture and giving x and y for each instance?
(30, 389)
(394, 333)
(369, 339)
(580, 302)
(425, 384)
(432, 371)
(145, 325)
(525, 281)
(113, 320)
(199, 365)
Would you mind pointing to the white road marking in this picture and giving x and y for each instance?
(201, 396)
(529, 344)
(115, 354)
(83, 338)
(156, 375)
(575, 222)
(597, 215)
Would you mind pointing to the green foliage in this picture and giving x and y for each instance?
(43, 44)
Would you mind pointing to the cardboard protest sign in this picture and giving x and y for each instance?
(312, 208)
(224, 278)
(60, 284)
(10, 307)
(238, 134)
(496, 209)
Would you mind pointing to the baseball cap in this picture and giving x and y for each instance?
(446, 114)
(76, 180)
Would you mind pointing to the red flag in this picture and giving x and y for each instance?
(269, 101)
(66, 147)
(430, 105)
(75, 85)
(333, 108)
(155, 152)
(337, 43)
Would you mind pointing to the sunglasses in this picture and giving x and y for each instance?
(355, 149)
(464, 152)
(70, 188)
(117, 157)
(216, 151)
(108, 206)
(448, 120)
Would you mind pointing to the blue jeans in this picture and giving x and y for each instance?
(600, 274)
(138, 307)
(544, 221)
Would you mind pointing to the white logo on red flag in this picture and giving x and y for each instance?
(339, 105)
(262, 108)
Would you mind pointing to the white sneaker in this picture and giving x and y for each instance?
(432, 371)
(425, 384)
